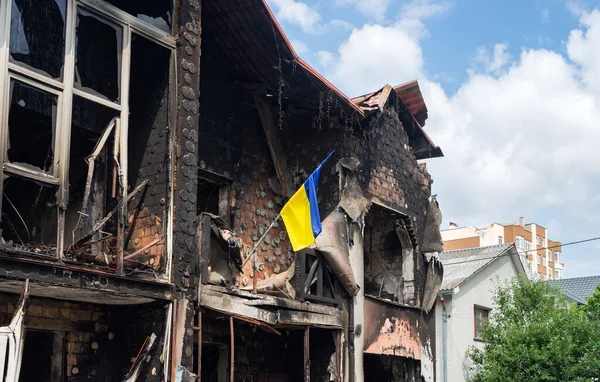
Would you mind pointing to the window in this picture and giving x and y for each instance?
(73, 71)
(545, 261)
(549, 273)
(500, 240)
(481, 317)
(539, 259)
(528, 245)
(557, 257)
(520, 242)
(537, 240)
(544, 242)
(557, 274)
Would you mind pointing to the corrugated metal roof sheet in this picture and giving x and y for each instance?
(461, 264)
(577, 289)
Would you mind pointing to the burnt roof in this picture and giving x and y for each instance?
(263, 59)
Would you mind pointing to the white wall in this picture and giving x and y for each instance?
(460, 308)
(491, 235)
(458, 233)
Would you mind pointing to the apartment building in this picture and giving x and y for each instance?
(542, 255)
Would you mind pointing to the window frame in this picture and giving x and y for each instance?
(477, 335)
(65, 90)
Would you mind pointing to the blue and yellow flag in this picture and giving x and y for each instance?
(301, 213)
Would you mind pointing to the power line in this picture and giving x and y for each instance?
(531, 250)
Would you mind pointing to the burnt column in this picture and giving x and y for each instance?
(185, 260)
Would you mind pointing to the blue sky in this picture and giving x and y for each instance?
(513, 92)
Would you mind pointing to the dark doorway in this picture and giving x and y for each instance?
(39, 350)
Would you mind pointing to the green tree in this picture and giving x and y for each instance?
(534, 335)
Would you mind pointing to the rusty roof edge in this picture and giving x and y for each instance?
(307, 67)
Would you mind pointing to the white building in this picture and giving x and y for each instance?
(466, 301)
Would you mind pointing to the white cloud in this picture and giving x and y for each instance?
(343, 24)
(325, 58)
(297, 13)
(376, 54)
(545, 15)
(376, 9)
(582, 48)
(493, 62)
(373, 56)
(300, 47)
(576, 7)
(520, 135)
(413, 14)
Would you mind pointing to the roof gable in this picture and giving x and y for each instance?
(462, 264)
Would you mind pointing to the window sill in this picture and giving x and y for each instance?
(478, 339)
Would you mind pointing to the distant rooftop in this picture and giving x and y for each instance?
(577, 289)
(462, 264)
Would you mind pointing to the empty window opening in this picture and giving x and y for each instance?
(214, 194)
(37, 31)
(29, 215)
(156, 13)
(381, 368)
(32, 126)
(98, 55)
(389, 261)
(208, 197)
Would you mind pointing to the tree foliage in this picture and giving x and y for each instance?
(534, 335)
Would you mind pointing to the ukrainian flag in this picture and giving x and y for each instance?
(301, 213)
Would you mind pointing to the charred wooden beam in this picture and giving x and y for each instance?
(277, 153)
(306, 354)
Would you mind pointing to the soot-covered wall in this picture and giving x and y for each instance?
(232, 145)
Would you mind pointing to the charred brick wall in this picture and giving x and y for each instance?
(91, 350)
(389, 170)
(232, 144)
(148, 149)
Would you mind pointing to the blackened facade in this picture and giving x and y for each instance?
(147, 150)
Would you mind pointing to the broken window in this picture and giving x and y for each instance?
(37, 34)
(213, 195)
(98, 55)
(94, 188)
(32, 126)
(76, 192)
(29, 215)
(155, 13)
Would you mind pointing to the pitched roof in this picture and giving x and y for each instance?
(263, 58)
(420, 141)
(577, 289)
(462, 264)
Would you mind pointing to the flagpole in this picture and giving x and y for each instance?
(254, 253)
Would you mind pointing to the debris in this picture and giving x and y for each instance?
(432, 238)
(137, 364)
(101, 224)
(333, 244)
(12, 338)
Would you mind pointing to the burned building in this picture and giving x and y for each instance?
(147, 149)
